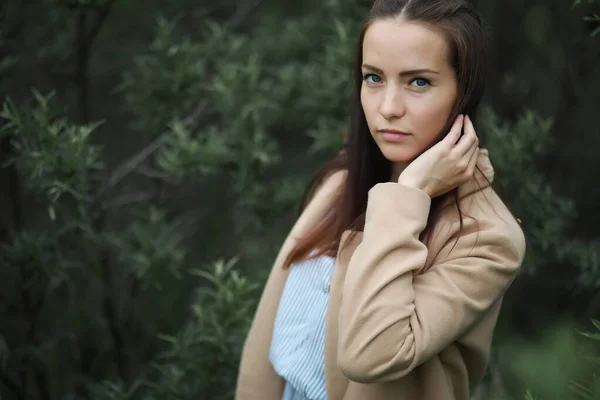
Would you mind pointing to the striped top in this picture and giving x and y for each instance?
(298, 345)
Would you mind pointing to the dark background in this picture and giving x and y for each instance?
(165, 218)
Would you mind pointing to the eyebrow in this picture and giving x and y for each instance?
(403, 73)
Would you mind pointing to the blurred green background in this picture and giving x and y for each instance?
(154, 155)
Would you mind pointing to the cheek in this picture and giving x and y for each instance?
(368, 105)
(430, 115)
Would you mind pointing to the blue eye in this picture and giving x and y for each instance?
(421, 82)
(376, 79)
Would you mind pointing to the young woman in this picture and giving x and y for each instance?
(390, 282)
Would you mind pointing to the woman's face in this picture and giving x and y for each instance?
(408, 86)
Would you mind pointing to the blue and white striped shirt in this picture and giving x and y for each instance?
(298, 345)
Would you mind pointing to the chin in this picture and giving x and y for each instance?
(398, 153)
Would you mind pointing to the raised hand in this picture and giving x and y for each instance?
(447, 164)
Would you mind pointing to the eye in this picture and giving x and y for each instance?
(372, 78)
(420, 82)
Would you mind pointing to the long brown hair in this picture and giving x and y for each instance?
(365, 164)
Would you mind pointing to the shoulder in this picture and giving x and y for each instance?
(486, 222)
(329, 186)
(320, 202)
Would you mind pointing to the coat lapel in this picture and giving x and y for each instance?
(336, 381)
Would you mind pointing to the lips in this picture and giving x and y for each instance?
(391, 135)
(393, 131)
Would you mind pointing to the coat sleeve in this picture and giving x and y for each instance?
(257, 380)
(393, 319)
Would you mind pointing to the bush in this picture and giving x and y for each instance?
(100, 299)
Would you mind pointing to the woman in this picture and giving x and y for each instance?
(390, 282)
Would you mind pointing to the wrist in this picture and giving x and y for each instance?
(407, 181)
(412, 183)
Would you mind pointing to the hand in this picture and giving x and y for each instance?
(447, 164)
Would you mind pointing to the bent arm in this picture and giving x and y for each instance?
(392, 320)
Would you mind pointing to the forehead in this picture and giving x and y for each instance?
(394, 43)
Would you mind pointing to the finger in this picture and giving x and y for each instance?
(474, 156)
(454, 134)
(469, 139)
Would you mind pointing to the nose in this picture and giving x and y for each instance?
(392, 105)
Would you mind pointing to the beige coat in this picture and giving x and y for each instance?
(404, 321)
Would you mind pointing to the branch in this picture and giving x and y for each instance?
(12, 386)
(82, 58)
(496, 381)
(109, 308)
(16, 211)
(102, 14)
(41, 378)
(127, 167)
(187, 224)
(207, 11)
(242, 13)
(18, 21)
(159, 176)
(127, 200)
(84, 38)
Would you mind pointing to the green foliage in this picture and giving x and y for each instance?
(549, 367)
(547, 217)
(55, 157)
(204, 355)
(560, 366)
(151, 248)
(165, 80)
(515, 148)
(589, 388)
(587, 256)
(106, 304)
(530, 396)
(6, 63)
(39, 257)
(185, 154)
(593, 17)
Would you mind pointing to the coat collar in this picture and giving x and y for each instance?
(484, 176)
